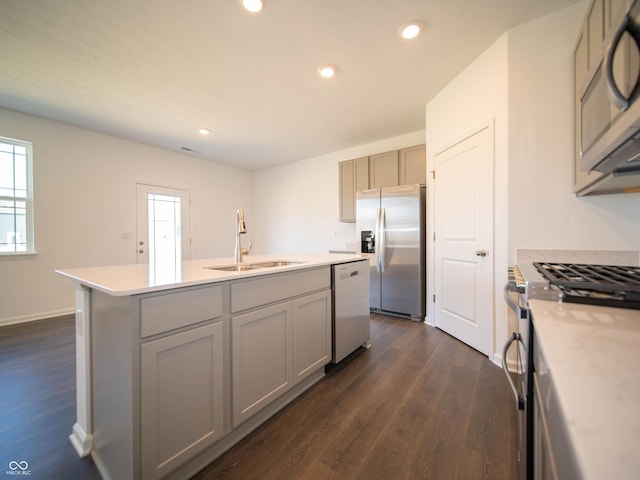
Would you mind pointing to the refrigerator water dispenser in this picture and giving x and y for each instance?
(368, 240)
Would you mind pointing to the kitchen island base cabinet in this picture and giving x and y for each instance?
(311, 334)
(261, 359)
(179, 376)
(276, 347)
(182, 397)
(159, 394)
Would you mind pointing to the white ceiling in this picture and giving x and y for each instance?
(155, 71)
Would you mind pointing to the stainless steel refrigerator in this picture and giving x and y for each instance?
(390, 229)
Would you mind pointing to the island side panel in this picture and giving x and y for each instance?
(81, 433)
(115, 380)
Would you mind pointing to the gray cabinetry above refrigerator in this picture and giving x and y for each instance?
(406, 166)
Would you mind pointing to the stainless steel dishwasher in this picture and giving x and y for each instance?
(350, 283)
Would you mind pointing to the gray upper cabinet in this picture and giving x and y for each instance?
(354, 176)
(580, 70)
(399, 167)
(347, 191)
(412, 165)
(613, 12)
(384, 170)
(361, 168)
(595, 31)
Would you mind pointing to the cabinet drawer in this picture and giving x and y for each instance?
(162, 313)
(273, 288)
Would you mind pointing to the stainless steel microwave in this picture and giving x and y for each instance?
(610, 103)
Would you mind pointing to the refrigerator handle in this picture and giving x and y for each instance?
(377, 236)
(382, 249)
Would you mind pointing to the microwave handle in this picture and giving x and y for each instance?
(616, 96)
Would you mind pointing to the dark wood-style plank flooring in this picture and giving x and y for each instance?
(38, 400)
(417, 405)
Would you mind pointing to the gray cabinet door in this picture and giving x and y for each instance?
(354, 176)
(582, 179)
(311, 334)
(412, 164)
(181, 397)
(261, 358)
(346, 174)
(384, 170)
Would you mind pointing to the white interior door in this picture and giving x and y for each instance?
(163, 233)
(463, 221)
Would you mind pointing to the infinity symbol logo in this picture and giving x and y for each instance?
(13, 465)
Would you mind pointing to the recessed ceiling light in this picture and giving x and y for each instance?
(254, 6)
(204, 131)
(411, 30)
(327, 71)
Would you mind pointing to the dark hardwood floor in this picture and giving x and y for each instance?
(417, 405)
(38, 401)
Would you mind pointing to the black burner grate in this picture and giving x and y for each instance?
(609, 285)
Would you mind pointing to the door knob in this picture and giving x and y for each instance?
(481, 253)
(141, 251)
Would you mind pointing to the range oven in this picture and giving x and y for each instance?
(604, 285)
(517, 292)
(518, 380)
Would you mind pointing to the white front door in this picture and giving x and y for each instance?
(463, 192)
(163, 233)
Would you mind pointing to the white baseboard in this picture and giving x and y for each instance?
(496, 358)
(81, 441)
(36, 316)
(512, 365)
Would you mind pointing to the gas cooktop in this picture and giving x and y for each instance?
(606, 285)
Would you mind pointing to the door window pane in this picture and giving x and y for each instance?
(165, 234)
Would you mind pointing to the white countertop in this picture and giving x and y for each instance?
(120, 280)
(593, 354)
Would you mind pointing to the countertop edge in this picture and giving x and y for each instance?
(136, 279)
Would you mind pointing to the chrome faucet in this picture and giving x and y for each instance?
(240, 229)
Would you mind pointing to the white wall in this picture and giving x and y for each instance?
(476, 96)
(296, 205)
(84, 201)
(543, 212)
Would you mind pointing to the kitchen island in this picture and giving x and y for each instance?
(587, 384)
(176, 365)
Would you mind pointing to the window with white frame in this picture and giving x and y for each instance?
(16, 197)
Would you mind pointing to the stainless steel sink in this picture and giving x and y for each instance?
(279, 263)
(252, 266)
(233, 268)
